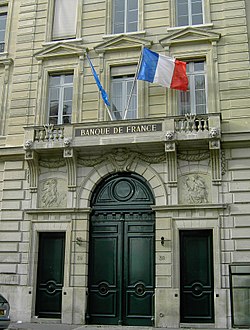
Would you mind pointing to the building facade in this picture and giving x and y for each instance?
(136, 213)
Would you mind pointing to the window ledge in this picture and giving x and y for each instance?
(48, 43)
(108, 36)
(176, 28)
(5, 59)
(4, 55)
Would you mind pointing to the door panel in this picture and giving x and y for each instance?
(197, 291)
(121, 273)
(139, 273)
(50, 275)
(105, 249)
(121, 252)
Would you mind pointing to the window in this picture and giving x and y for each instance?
(60, 98)
(194, 100)
(240, 294)
(125, 16)
(124, 91)
(189, 12)
(3, 19)
(121, 93)
(64, 23)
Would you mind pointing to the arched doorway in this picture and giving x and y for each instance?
(121, 252)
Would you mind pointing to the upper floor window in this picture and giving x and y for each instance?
(3, 19)
(64, 21)
(194, 100)
(189, 12)
(125, 16)
(123, 93)
(60, 98)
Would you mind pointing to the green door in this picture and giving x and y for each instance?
(196, 279)
(50, 275)
(121, 254)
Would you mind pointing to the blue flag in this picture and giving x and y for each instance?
(98, 83)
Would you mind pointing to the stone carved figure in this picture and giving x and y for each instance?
(214, 132)
(196, 189)
(51, 196)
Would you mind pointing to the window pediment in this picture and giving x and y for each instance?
(58, 50)
(189, 35)
(122, 42)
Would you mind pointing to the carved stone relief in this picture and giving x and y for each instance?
(121, 159)
(52, 193)
(194, 189)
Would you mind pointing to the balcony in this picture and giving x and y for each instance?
(181, 129)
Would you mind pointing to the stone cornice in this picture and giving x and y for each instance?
(58, 50)
(189, 35)
(57, 211)
(166, 208)
(122, 42)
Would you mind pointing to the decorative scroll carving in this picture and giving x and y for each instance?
(172, 168)
(32, 160)
(215, 154)
(54, 163)
(171, 158)
(89, 162)
(223, 163)
(52, 193)
(193, 189)
(122, 159)
(70, 160)
(193, 156)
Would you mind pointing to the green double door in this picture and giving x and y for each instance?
(121, 255)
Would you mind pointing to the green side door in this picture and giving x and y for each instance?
(50, 274)
(196, 274)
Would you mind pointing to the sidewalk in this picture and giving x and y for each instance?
(57, 326)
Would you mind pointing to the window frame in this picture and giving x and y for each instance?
(61, 91)
(3, 13)
(7, 7)
(193, 53)
(237, 271)
(192, 91)
(142, 89)
(173, 16)
(125, 77)
(50, 22)
(125, 21)
(190, 14)
(109, 19)
(41, 115)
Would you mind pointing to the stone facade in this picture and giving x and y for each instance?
(198, 166)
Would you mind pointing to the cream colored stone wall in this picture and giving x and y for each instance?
(24, 68)
(30, 23)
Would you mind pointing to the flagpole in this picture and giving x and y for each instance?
(100, 88)
(109, 112)
(133, 85)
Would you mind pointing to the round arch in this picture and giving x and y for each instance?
(121, 272)
(102, 171)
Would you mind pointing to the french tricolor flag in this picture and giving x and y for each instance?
(164, 70)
